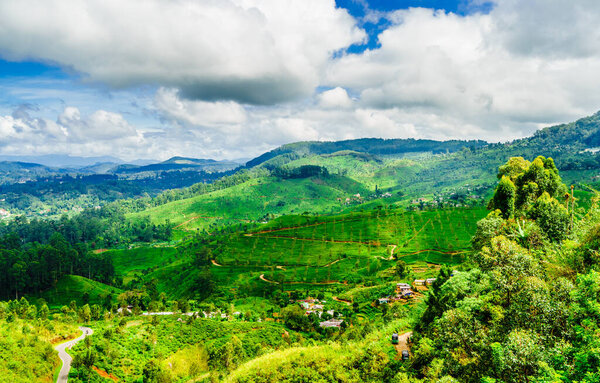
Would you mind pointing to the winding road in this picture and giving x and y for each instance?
(66, 359)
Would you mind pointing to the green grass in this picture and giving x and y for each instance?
(128, 262)
(72, 287)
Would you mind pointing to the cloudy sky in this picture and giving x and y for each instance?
(230, 79)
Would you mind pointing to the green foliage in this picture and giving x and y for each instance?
(504, 197)
(551, 216)
(541, 177)
(518, 317)
(26, 354)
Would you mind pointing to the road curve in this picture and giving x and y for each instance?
(66, 359)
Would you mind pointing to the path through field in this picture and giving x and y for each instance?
(391, 258)
(66, 359)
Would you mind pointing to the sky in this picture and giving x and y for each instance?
(230, 79)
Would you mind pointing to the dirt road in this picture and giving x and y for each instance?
(403, 344)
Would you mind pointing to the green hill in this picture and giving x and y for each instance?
(254, 200)
(72, 288)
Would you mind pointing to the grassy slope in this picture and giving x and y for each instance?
(252, 200)
(72, 287)
(353, 361)
(180, 348)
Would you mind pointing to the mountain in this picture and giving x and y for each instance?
(178, 164)
(61, 160)
(11, 171)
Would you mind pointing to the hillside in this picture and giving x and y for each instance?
(255, 200)
(457, 172)
(376, 146)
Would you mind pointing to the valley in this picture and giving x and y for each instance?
(302, 265)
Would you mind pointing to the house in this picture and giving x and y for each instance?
(429, 281)
(332, 323)
(404, 290)
(383, 301)
(419, 282)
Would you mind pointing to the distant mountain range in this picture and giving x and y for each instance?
(64, 161)
(26, 168)
(179, 164)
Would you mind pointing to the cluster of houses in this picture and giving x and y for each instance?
(314, 306)
(405, 291)
(463, 196)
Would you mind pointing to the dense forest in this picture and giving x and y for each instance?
(35, 254)
(527, 310)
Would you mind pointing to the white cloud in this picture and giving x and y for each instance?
(335, 98)
(198, 113)
(548, 28)
(253, 51)
(467, 70)
(99, 133)
(495, 76)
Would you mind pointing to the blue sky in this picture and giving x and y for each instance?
(233, 79)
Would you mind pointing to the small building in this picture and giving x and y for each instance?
(419, 282)
(429, 281)
(383, 301)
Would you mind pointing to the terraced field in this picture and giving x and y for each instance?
(348, 248)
